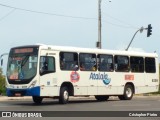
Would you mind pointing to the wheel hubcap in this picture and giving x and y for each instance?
(65, 95)
(129, 92)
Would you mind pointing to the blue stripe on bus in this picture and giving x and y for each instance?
(35, 91)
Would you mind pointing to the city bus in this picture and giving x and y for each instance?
(45, 71)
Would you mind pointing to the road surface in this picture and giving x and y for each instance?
(142, 104)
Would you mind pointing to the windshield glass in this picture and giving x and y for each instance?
(22, 64)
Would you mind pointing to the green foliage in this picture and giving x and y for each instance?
(2, 83)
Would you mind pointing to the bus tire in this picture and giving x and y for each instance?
(102, 97)
(128, 93)
(121, 97)
(64, 95)
(37, 100)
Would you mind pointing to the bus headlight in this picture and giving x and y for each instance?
(33, 84)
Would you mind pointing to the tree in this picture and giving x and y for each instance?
(2, 83)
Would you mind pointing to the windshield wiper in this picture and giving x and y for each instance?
(24, 60)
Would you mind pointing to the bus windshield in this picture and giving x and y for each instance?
(22, 65)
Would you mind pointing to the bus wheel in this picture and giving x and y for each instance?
(64, 95)
(102, 97)
(37, 100)
(128, 93)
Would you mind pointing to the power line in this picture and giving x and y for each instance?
(59, 15)
(128, 24)
(39, 12)
(7, 14)
(117, 25)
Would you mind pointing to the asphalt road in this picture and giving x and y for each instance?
(138, 103)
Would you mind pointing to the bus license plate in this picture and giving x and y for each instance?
(17, 94)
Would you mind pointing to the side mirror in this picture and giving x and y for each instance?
(1, 62)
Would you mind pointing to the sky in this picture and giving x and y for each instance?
(75, 23)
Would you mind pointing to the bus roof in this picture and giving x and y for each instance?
(97, 51)
(91, 50)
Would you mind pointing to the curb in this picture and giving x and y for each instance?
(5, 98)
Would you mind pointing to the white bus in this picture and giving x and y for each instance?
(43, 71)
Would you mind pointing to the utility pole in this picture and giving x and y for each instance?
(99, 44)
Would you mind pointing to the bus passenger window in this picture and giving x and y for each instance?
(121, 63)
(87, 62)
(62, 65)
(150, 65)
(105, 63)
(68, 60)
(137, 64)
(82, 68)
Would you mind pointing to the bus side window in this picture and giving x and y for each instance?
(82, 67)
(47, 65)
(150, 65)
(62, 65)
(88, 62)
(115, 67)
(68, 60)
(121, 63)
(105, 62)
(137, 64)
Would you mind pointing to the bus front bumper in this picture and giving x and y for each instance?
(35, 91)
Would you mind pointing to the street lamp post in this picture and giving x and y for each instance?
(141, 30)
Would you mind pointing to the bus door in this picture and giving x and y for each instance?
(47, 70)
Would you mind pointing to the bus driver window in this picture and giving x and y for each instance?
(43, 65)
